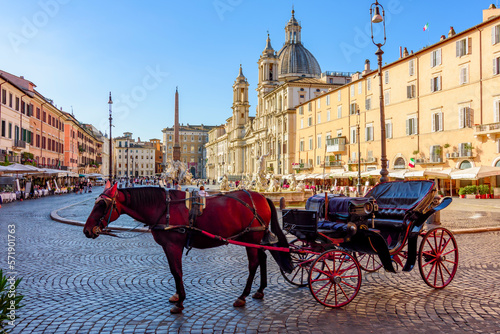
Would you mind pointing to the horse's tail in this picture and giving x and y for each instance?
(283, 259)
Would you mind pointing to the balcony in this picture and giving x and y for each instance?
(335, 163)
(429, 161)
(19, 144)
(460, 155)
(301, 166)
(335, 145)
(489, 130)
(369, 160)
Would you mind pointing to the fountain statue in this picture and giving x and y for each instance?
(293, 183)
(224, 184)
(177, 171)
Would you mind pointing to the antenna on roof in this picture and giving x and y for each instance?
(72, 112)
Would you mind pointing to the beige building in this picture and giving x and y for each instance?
(133, 159)
(442, 108)
(192, 139)
(286, 78)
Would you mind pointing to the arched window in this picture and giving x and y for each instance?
(465, 164)
(400, 163)
(497, 164)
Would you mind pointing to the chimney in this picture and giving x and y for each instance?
(443, 37)
(367, 67)
(452, 32)
(405, 52)
(490, 13)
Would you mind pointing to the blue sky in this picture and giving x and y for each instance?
(77, 51)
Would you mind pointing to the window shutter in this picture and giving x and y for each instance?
(457, 45)
(469, 45)
(432, 85)
(441, 124)
(438, 83)
(413, 91)
(433, 56)
(407, 127)
(470, 117)
(493, 33)
(408, 92)
(439, 57)
(461, 118)
(495, 66)
(433, 122)
(415, 126)
(497, 111)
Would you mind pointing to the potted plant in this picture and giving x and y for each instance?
(491, 194)
(483, 190)
(440, 193)
(462, 192)
(470, 191)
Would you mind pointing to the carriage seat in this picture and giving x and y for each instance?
(396, 199)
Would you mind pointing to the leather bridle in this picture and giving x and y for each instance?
(110, 206)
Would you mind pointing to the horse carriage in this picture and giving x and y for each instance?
(336, 237)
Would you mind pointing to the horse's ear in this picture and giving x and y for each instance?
(113, 190)
(108, 185)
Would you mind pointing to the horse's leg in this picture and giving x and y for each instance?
(173, 251)
(253, 264)
(263, 274)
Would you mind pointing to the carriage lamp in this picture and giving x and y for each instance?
(377, 18)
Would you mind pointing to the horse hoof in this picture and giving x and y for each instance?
(174, 298)
(176, 309)
(258, 295)
(239, 303)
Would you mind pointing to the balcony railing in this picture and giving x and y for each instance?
(458, 155)
(19, 143)
(335, 144)
(487, 129)
(302, 166)
(336, 163)
(369, 160)
(428, 161)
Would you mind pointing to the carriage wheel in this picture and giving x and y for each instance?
(438, 258)
(401, 257)
(301, 264)
(368, 262)
(335, 278)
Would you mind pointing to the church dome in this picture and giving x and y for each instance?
(294, 59)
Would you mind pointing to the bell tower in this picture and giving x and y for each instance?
(268, 73)
(241, 105)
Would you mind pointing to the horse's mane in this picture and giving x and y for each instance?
(144, 196)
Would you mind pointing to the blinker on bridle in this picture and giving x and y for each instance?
(110, 205)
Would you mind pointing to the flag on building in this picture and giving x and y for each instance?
(426, 27)
(411, 164)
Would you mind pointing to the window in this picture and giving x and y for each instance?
(352, 90)
(436, 84)
(411, 126)
(318, 160)
(352, 108)
(319, 118)
(10, 100)
(386, 77)
(17, 103)
(301, 110)
(400, 163)
(495, 34)
(328, 115)
(464, 75)
(498, 147)
(318, 139)
(318, 103)
(388, 129)
(435, 153)
(437, 122)
(309, 106)
(465, 117)
(310, 143)
(465, 149)
(496, 66)
(339, 112)
(368, 103)
(354, 135)
(369, 132)
(463, 47)
(3, 128)
(310, 121)
(369, 84)
(387, 97)
(301, 123)
(411, 67)
(410, 91)
(328, 100)
(301, 146)
(338, 95)
(360, 89)
(436, 58)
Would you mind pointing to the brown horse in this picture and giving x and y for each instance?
(241, 215)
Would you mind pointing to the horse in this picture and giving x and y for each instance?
(242, 216)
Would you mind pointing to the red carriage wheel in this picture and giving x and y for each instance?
(399, 259)
(368, 262)
(438, 258)
(335, 278)
(301, 264)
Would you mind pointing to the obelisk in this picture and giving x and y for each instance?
(176, 155)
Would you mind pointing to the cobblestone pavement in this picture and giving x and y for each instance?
(77, 285)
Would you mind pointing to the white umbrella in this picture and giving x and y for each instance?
(20, 169)
(475, 173)
(398, 173)
(415, 173)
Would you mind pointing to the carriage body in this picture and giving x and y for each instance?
(380, 229)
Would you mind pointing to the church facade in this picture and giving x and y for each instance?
(287, 78)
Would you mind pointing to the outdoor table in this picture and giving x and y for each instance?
(8, 197)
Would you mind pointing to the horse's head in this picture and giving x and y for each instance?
(105, 211)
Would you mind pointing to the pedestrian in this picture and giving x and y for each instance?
(202, 191)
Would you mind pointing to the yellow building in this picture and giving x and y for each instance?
(442, 108)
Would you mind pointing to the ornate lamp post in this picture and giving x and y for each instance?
(358, 185)
(377, 18)
(110, 102)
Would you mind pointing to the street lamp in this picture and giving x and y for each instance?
(110, 102)
(377, 18)
(358, 186)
